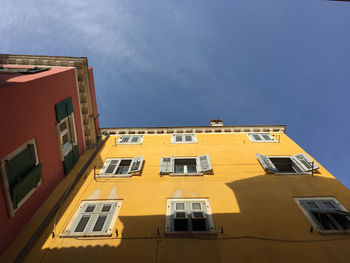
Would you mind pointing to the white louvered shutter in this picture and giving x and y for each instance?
(203, 163)
(166, 165)
(136, 165)
(304, 162)
(266, 163)
(111, 166)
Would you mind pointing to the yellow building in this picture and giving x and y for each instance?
(192, 194)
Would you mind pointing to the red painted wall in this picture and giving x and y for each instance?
(93, 98)
(27, 110)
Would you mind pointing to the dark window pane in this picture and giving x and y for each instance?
(198, 214)
(329, 205)
(191, 169)
(90, 208)
(266, 137)
(180, 224)
(180, 206)
(125, 139)
(135, 139)
(82, 224)
(196, 206)
(256, 137)
(106, 208)
(199, 224)
(99, 223)
(188, 138)
(312, 205)
(180, 215)
(178, 138)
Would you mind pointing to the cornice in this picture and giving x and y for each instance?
(83, 84)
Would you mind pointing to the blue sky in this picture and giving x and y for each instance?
(172, 63)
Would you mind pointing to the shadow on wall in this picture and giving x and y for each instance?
(270, 227)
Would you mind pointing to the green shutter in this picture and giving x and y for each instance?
(70, 159)
(69, 106)
(20, 164)
(29, 181)
(68, 162)
(63, 109)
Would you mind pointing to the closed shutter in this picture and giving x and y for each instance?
(20, 164)
(136, 165)
(166, 165)
(25, 185)
(304, 162)
(203, 163)
(266, 163)
(64, 109)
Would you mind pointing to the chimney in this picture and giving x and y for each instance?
(216, 122)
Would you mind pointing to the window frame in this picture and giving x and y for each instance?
(205, 209)
(315, 224)
(103, 174)
(183, 140)
(71, 131)
(129, 142)
(262, 139)
(108, 225)
(202, 168)
(303, 170)
(4, 178)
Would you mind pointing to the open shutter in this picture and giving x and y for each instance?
(266, 163)
(111, 166)
(166, 165)
(63, 109)
(136, 165)
(304, 162)
(203, 163)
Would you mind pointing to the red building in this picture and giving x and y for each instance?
(49, 118)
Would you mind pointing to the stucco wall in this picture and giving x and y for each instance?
(27, 106)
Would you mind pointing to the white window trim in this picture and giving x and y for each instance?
(198, 165)
(139, 141)
(311, 219)
(11, 210)
(208, 214)
(252, 139)
(68, 146)
(193, 138)
(109, 229)
(102, 173)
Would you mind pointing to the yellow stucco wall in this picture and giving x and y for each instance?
(256, 211)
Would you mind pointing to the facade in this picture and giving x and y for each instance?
(42, 104)
(192, 194)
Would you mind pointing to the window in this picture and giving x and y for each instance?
(189, 216)
(21, 175)
(66, 134)
(183, 138)
(261, 137)
(121, 167)
(185, 165)
(130, 139)
(295, 164)
(326, 214)
(93, 218)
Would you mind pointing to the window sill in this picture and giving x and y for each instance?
(186, 174)
(113, 175)
(292, 174)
